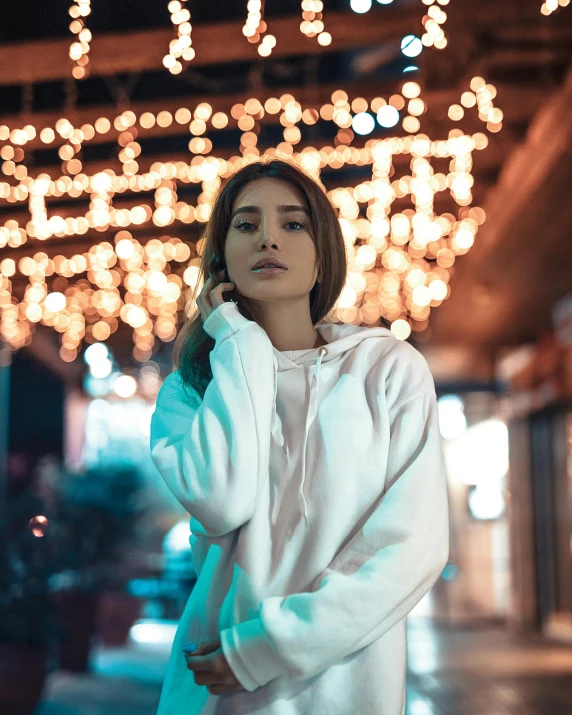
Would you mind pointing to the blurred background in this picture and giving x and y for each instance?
(442, 131)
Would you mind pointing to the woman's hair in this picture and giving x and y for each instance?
(193, 345)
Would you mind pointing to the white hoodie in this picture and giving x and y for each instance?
(316, 486)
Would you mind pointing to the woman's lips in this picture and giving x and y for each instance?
(271, 271)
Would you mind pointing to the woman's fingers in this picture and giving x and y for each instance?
(214, 684)
(210, 298)
(216, 293)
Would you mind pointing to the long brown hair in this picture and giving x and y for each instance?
(193, 345)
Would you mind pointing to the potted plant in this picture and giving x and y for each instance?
(27, 624)
(96, 515)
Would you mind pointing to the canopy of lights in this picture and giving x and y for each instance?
(400, 262)
(255, 29)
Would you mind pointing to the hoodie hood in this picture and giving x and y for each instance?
(340, 339)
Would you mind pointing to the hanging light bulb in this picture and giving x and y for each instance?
(79, 49)
(180, 48)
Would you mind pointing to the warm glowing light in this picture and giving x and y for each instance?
(96, 353)
(38, 525)
(411, 90)
(363, 123)
(401, 329)
(55, 302)
(125, 386)
(550, 6)
(411, 124)
(101, 182)
(180, 48)
(101, 369)
(388, 116)
(128, 283)
(456, 112)
(433, 21)
(79, 49)
(124, 248)
(360, 6)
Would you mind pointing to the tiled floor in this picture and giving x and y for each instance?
(452, 672)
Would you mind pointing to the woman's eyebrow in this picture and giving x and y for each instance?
(281, 209)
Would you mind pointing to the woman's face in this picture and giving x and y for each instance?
(269, 229)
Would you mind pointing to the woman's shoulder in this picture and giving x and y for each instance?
(172, 383)
(174, 386)
(404, 372)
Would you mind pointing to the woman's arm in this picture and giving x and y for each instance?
(375, 580)
(214, 454)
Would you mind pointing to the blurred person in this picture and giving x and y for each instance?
(309, 458)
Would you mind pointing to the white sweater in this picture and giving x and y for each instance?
(316, 487)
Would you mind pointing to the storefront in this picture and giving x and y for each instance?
(538, 407)
(475, 585)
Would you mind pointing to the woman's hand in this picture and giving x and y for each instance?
(211, 668)
(210, 298)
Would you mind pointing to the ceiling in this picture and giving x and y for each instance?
(502, 289)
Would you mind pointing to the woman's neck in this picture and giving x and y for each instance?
(320, 341)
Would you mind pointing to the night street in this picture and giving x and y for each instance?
(452, 672)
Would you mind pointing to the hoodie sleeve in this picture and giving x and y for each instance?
(374, 581)
(214, 454)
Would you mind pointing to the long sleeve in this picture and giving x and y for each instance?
(374, 581)
(214, 454)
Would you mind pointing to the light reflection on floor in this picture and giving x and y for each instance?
(484, 671)
(420, 707)
(451, 671)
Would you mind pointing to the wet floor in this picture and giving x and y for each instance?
(451, 672)
(486, 672)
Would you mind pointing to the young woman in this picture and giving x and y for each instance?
(309, 459)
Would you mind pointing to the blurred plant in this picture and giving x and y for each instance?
(26, 565)
(68, 531)
(95, 517)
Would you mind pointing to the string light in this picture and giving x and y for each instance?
(406, 256)
(481, 96)
(181, 46)
(79, 49)
(255, 26)
(550, 6)
(292, 113)
(434, 35)
(312, 24)
(360, 6)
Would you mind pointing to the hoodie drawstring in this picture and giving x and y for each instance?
(278, 435)
(276, 421)
(312, 410)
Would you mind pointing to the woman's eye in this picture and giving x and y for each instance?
(247, 223)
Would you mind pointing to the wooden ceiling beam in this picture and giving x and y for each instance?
(549, 33)
(45, 348)
(503, 58)
(506, 285)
